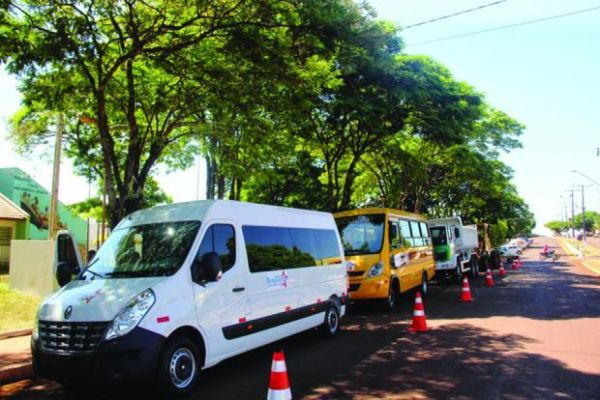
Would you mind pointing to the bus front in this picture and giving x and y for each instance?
(363, 239)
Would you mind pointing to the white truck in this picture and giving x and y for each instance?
(454, 247)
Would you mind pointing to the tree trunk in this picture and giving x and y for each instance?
(348, 183)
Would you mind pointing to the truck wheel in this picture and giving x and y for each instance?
(179, 367)
(331, 325)
(424, 287)
(474, 267)
(391, 301)
(459, 274)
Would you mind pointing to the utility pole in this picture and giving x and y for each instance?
(583, 211)
(53, 217)
(572, 214)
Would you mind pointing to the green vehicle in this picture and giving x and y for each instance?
(454, 248)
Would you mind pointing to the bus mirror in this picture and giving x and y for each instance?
(393, 232)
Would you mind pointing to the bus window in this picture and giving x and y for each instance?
(416, 233)
(405, 232)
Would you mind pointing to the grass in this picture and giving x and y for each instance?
(17, 310)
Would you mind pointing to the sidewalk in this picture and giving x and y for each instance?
(15, 359)
(590, 259)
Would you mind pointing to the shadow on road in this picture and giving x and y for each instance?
(382, 360)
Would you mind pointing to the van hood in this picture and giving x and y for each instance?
(93, 300)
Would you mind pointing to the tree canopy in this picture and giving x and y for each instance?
(311, 104)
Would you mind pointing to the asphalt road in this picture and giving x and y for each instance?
(535, 335)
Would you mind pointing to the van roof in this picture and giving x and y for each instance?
(243, 212)
(379, 210)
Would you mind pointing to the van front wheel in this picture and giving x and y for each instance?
(331, 325)
(179, 367)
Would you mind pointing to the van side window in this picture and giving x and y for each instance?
(275, 248)
(220, 238)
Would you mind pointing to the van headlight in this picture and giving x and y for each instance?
(375, 270)
(130, 316)
(35, 330)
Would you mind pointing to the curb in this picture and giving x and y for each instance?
(16, 373)
(15, 333)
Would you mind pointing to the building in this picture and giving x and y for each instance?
(24, 210)
(14, 224)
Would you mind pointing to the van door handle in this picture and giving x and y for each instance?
(238, 289)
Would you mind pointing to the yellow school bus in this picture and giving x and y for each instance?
(388, 252)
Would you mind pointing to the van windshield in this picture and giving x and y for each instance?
(361, 234)
(438, 235)
(144, 250)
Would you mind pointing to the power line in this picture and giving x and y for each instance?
(532, 21)
(454, 14)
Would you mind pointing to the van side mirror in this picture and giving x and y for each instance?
(207, 268)
(64, 273)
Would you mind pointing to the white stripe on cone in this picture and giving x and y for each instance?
(418, 300)
(465, 289)
(419, 313)
(284, 394)
(278, 366)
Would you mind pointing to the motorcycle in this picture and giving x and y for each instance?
(548, 255)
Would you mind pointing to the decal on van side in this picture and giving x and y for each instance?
(277, 281)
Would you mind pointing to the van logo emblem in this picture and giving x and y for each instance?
(277, 281)
(68, 312)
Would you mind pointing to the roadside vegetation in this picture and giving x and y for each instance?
(17, 309)
(311, 104)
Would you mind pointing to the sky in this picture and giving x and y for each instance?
(546, 75)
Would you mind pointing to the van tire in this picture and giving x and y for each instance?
(179, 366)
(391, 301)
(331, 325)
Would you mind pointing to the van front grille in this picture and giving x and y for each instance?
(71, 337)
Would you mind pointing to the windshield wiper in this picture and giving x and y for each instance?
(87, 269)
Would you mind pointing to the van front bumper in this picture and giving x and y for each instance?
(133, 357)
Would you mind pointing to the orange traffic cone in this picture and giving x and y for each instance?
(502, 271)
(489, 281)
(418, 322)
(279, 384)
(514, 265)
(465, 294)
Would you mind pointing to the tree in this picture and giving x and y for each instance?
(557, 226)
(114, 65)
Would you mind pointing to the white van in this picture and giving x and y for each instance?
(181, 287)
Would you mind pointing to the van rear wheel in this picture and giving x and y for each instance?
(179, 367)
(331, 325)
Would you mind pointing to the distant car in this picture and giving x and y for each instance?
(510, 251)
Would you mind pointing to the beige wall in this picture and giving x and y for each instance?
(31, 266)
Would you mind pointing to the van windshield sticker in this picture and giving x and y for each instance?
(278, 281)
